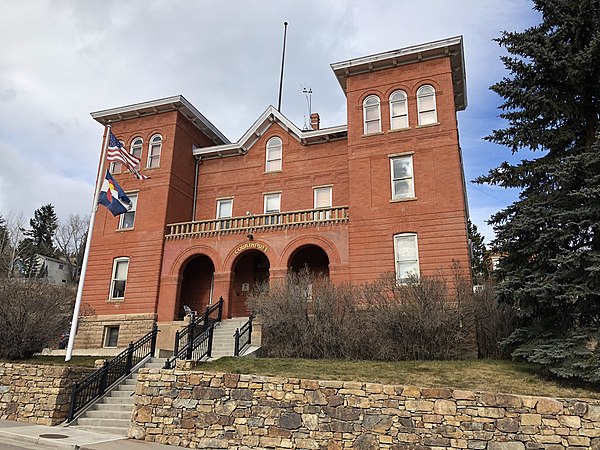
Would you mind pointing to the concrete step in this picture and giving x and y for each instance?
(126, 387)
(127, 400)
(109, 414)
(119, 431)
(104, 423)
(120, 394)
(113, 407)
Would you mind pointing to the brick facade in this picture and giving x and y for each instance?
(178, 254)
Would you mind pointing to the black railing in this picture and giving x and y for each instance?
(98, 382)
(200, 348)
(185, 340)
(243, 337)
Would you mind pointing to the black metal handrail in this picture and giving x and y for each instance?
(200, 348)
(243, 337)
(97, 383)
(197, 326)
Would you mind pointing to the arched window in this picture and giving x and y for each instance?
(154, 151)
(372, 114)
(274, 156)
(426, 105)
(136, 149)
(398, 110)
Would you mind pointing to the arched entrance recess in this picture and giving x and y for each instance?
(249, 269)
(312, 257)
(196, 285)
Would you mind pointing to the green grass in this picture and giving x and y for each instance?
(476, 375)
(80, 361)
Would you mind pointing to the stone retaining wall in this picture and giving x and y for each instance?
(203, 410)
(37, 393)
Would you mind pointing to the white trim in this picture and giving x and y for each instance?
(221, 201)
(434, 110)
(271, 146)
(396, 261)
(411, 178)
(106, 336)
(378, 120)
(141, 148)
(133, 196)
(150, 155)
(271, 194)
(322, 188)
(399, 91)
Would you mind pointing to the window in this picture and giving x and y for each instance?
(426, 105)
(322, 199)
(403, 185)
(116, 166)
(154, 151)
(224, 211)
(119, 279)
(136, 149)
(398, 111)
(407, 256)
(273, 154)
(127, 219)
(272, 206)
(111, 336)
(372, 114)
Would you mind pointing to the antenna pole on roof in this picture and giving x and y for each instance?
(285, 24)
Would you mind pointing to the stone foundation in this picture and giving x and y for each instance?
(239, 412)
(36, 393)
(90, 330)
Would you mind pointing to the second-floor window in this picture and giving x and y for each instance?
(224, 211)
(274, 155)
(119, 278)
(426, 105)
(403, 185)
(127, 219)
(372, 114)
(136, 149)
(272, 206)
(154, 151)
(322, 200)
(398, 111)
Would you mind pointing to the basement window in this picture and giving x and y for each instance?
(111, 336)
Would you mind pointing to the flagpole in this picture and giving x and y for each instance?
(88, 243)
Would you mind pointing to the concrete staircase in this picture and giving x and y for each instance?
(112, 413)
(223, 341)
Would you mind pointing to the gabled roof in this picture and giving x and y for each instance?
(450, 47)
(175, 103)
(262, 124)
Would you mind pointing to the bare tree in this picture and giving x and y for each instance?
(15, 227)
(70, 240)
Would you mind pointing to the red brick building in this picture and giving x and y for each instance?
(384, 193)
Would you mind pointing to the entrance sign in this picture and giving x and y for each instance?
(250, 245)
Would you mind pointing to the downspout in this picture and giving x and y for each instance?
(198, 159)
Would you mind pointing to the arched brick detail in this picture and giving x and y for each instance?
(181, 260)
(327, 246)
(232, 255)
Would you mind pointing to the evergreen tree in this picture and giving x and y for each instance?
(43, 226)
(551, 234)
(480, 261)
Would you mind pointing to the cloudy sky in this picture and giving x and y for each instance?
(62, 59)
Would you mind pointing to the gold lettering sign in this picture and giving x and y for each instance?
(250, 245)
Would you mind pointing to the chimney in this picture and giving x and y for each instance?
(315, 121)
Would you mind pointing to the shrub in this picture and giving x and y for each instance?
(33, 314)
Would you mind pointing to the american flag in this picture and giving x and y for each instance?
(116, 152)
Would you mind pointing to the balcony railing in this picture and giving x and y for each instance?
(251, 223)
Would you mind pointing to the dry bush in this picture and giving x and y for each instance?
(311, 317)
(33, 314)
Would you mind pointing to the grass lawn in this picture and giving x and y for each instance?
(475, 375)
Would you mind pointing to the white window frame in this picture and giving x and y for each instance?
(156, 141)
(377, 120)
(398, 261)
(114, 280)
(411, 177)
(137, 146)
(322, 215)
(107, 329)
(274, 164)
(226, 222)
(402, 98)
(123, 218)
(421, 111)
(274, 217)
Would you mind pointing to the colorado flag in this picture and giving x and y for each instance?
(113, 197)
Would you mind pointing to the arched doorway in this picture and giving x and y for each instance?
(249, 269)
(196, 285)
(312, 257)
